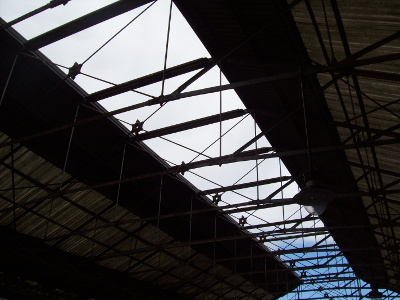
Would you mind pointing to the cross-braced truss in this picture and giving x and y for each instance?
(166, 185)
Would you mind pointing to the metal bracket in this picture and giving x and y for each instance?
(55, 3)
(74, 70)
(137, 127)
(242, 220)
(216, 199)
(183, 168)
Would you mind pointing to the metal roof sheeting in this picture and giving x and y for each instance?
(373, 112)
(69, 229)
(274, 37)
(81, 219)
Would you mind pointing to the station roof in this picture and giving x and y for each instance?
(81, 218)
(263, 39)
(336, 63)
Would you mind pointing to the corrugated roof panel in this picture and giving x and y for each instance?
(232, 22)
(119, 263)
(111, 236)
(92, 200)
(33, 225)
(364, 22)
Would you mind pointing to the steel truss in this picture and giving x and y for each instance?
(303, 245)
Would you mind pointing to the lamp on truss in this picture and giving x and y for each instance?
(314, 197)
(374, 294)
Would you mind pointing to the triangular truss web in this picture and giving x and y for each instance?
(254, 194)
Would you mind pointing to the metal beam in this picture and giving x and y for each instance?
(313, 267)
(229, 238)
(345, 64)
(275, 224)
(244, 185)
(378, 132)
(84, 22)
(100, 218)
(346, 47)
(244, 156)
(245, 41)
(377, 75)
(249, 257)
(176, 96)
(51, 4)
(377, 44)
(230, 209)
(348, 57)
(148, 244)
(49, 220)
(190, 125)
(148, 79)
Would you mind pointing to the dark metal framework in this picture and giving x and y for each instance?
(178, 241)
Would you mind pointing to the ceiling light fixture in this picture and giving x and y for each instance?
(374, 294)
(314, 197)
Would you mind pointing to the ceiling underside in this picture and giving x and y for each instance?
(107, 221)
(190, 250)
(364, 104)
(369, 114)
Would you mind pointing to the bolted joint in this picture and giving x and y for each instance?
(55, 3)
(183, 169)
(374, 293)
(242, 221)
(164, 99)
(216, 199)
(137, 127)
(74, 70)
